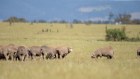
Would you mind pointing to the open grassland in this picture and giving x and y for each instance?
(84, 39)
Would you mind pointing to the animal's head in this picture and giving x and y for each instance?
(93, 55)
(70, 49)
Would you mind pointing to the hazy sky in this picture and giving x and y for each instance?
(68, 9)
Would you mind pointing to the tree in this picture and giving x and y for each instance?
(22, 20)
(15, 19)
(76, 21)
(62, 21)
(111, 15)
(88, 22)
(123, 18)
(42, 21)
(136, 21)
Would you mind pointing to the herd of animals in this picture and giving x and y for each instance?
(22, 53)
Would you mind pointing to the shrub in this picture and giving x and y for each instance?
(115, 34)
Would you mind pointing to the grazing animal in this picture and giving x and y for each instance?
(22, 53)
(138, 51)
(48, 52)
(1, 53)
(106, 52)
(9, 51)
(63, 51)
(35, 52)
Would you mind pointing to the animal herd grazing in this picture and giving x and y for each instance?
(22, 53)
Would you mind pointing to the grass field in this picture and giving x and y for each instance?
(84, 39)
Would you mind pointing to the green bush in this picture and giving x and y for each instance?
(115, 34)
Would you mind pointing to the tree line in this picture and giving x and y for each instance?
(123, 18)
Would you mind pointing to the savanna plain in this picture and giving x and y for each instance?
(84, 39)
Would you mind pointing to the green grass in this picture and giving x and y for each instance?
(78, 64)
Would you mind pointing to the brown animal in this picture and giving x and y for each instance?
(106, 52)
(1, 53)
(63, 51)
(22, 53)
(138, 51)
(35, 52)
(9, 51)
(48, 52)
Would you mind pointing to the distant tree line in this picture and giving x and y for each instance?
(15, 19)
(123, 18)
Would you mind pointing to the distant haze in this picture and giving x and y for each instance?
(68, 9)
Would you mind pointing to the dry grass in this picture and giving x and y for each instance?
(78, 64)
